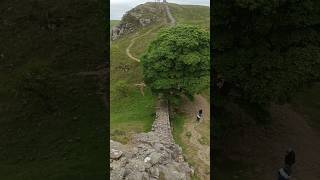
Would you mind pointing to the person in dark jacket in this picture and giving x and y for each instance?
(290, 158)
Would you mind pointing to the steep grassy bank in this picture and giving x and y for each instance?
(131, 112)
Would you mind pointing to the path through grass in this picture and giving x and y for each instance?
(130, 112)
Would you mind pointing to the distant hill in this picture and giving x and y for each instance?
(140, 16)
(150, 13)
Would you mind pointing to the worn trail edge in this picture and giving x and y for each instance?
(132, 43)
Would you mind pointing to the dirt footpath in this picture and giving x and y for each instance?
(197, 152)
(265, 147)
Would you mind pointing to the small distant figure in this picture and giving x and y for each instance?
(284, 174)
(290, 158)
(199, 115)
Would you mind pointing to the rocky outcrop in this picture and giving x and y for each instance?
(140, 16)
(123, 28)
(150, 156)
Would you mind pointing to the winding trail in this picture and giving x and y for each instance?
(133, 40)
(172, 23)
(190, 108)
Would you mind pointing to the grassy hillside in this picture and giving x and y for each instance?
(139, 112)
(191, 14)
(130, 111)
(52, 120)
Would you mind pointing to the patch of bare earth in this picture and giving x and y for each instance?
(264, 147)
(197, 153)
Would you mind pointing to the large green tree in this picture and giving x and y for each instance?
(266, 50)
(178, 62)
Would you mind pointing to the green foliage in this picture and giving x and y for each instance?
(177, 62)
(266, 50)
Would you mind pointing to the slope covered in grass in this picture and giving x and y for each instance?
(130, 111)
(133, 113)
(191, 14)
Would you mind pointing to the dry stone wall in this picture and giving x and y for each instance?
(150, 156)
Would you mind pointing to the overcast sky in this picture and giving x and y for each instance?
(119, 7)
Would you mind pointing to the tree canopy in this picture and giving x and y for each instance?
(266, 50)
(178, 61)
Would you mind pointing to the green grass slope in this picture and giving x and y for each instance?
(52, 121)
(130, 111)
(191, 14)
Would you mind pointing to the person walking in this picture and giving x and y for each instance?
(199, 115)
(289, 159)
